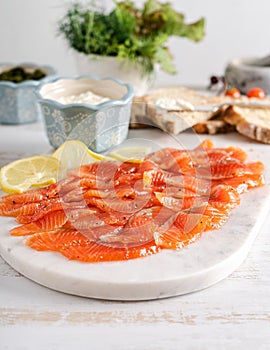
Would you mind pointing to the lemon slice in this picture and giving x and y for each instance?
(22, 174)
(133, 154)
(73, 154)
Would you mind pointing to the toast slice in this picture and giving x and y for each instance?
(173, 122)
(138, 119)
(215, 125)
(212, 127)
(251, 122)
(170, 119)
(182, 93)
(171, 109)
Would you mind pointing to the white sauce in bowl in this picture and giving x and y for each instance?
(86, 97)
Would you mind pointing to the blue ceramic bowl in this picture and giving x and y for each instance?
(18, 102)
(100, 126)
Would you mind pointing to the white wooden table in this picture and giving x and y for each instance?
(233, 314)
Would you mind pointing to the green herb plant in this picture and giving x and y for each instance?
(128, 32)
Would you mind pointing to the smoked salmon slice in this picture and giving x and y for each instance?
(110, 211)
(49, 222)
(243, 183)
(39, 210)
(217, 217)
(183, 161)
(221, 196)
(8, 209)
(230, 168)
(76, 246)
(181, 230)
(161, 180)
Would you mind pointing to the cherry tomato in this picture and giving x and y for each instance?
(256, 92)
(235, 93)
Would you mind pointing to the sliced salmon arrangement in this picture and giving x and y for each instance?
(111, 211)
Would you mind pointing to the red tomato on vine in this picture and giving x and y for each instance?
(256, 92)
(235, 93)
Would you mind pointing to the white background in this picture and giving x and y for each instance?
(28, 32)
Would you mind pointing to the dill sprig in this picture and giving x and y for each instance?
(127, 32)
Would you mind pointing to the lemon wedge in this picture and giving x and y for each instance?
(72, 154)
(133, 154)
(22, 174)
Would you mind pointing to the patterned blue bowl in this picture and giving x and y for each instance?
(99, 126)
(18, 102)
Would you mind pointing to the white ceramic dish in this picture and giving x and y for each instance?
(105, 66)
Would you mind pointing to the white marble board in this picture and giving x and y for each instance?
(169, 273)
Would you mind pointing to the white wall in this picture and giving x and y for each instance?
(234, 28)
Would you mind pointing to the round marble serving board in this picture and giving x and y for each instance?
(213, 257)
(169, 273)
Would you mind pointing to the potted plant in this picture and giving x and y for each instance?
(128, 42)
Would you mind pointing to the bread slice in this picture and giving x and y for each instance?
(176, 93)
(251, 122)
(138, 119)
(213, 127)
(145, 114)
(138, 109)
(146, 111)
(175, 121)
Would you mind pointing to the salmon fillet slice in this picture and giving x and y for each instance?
(76, 246)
